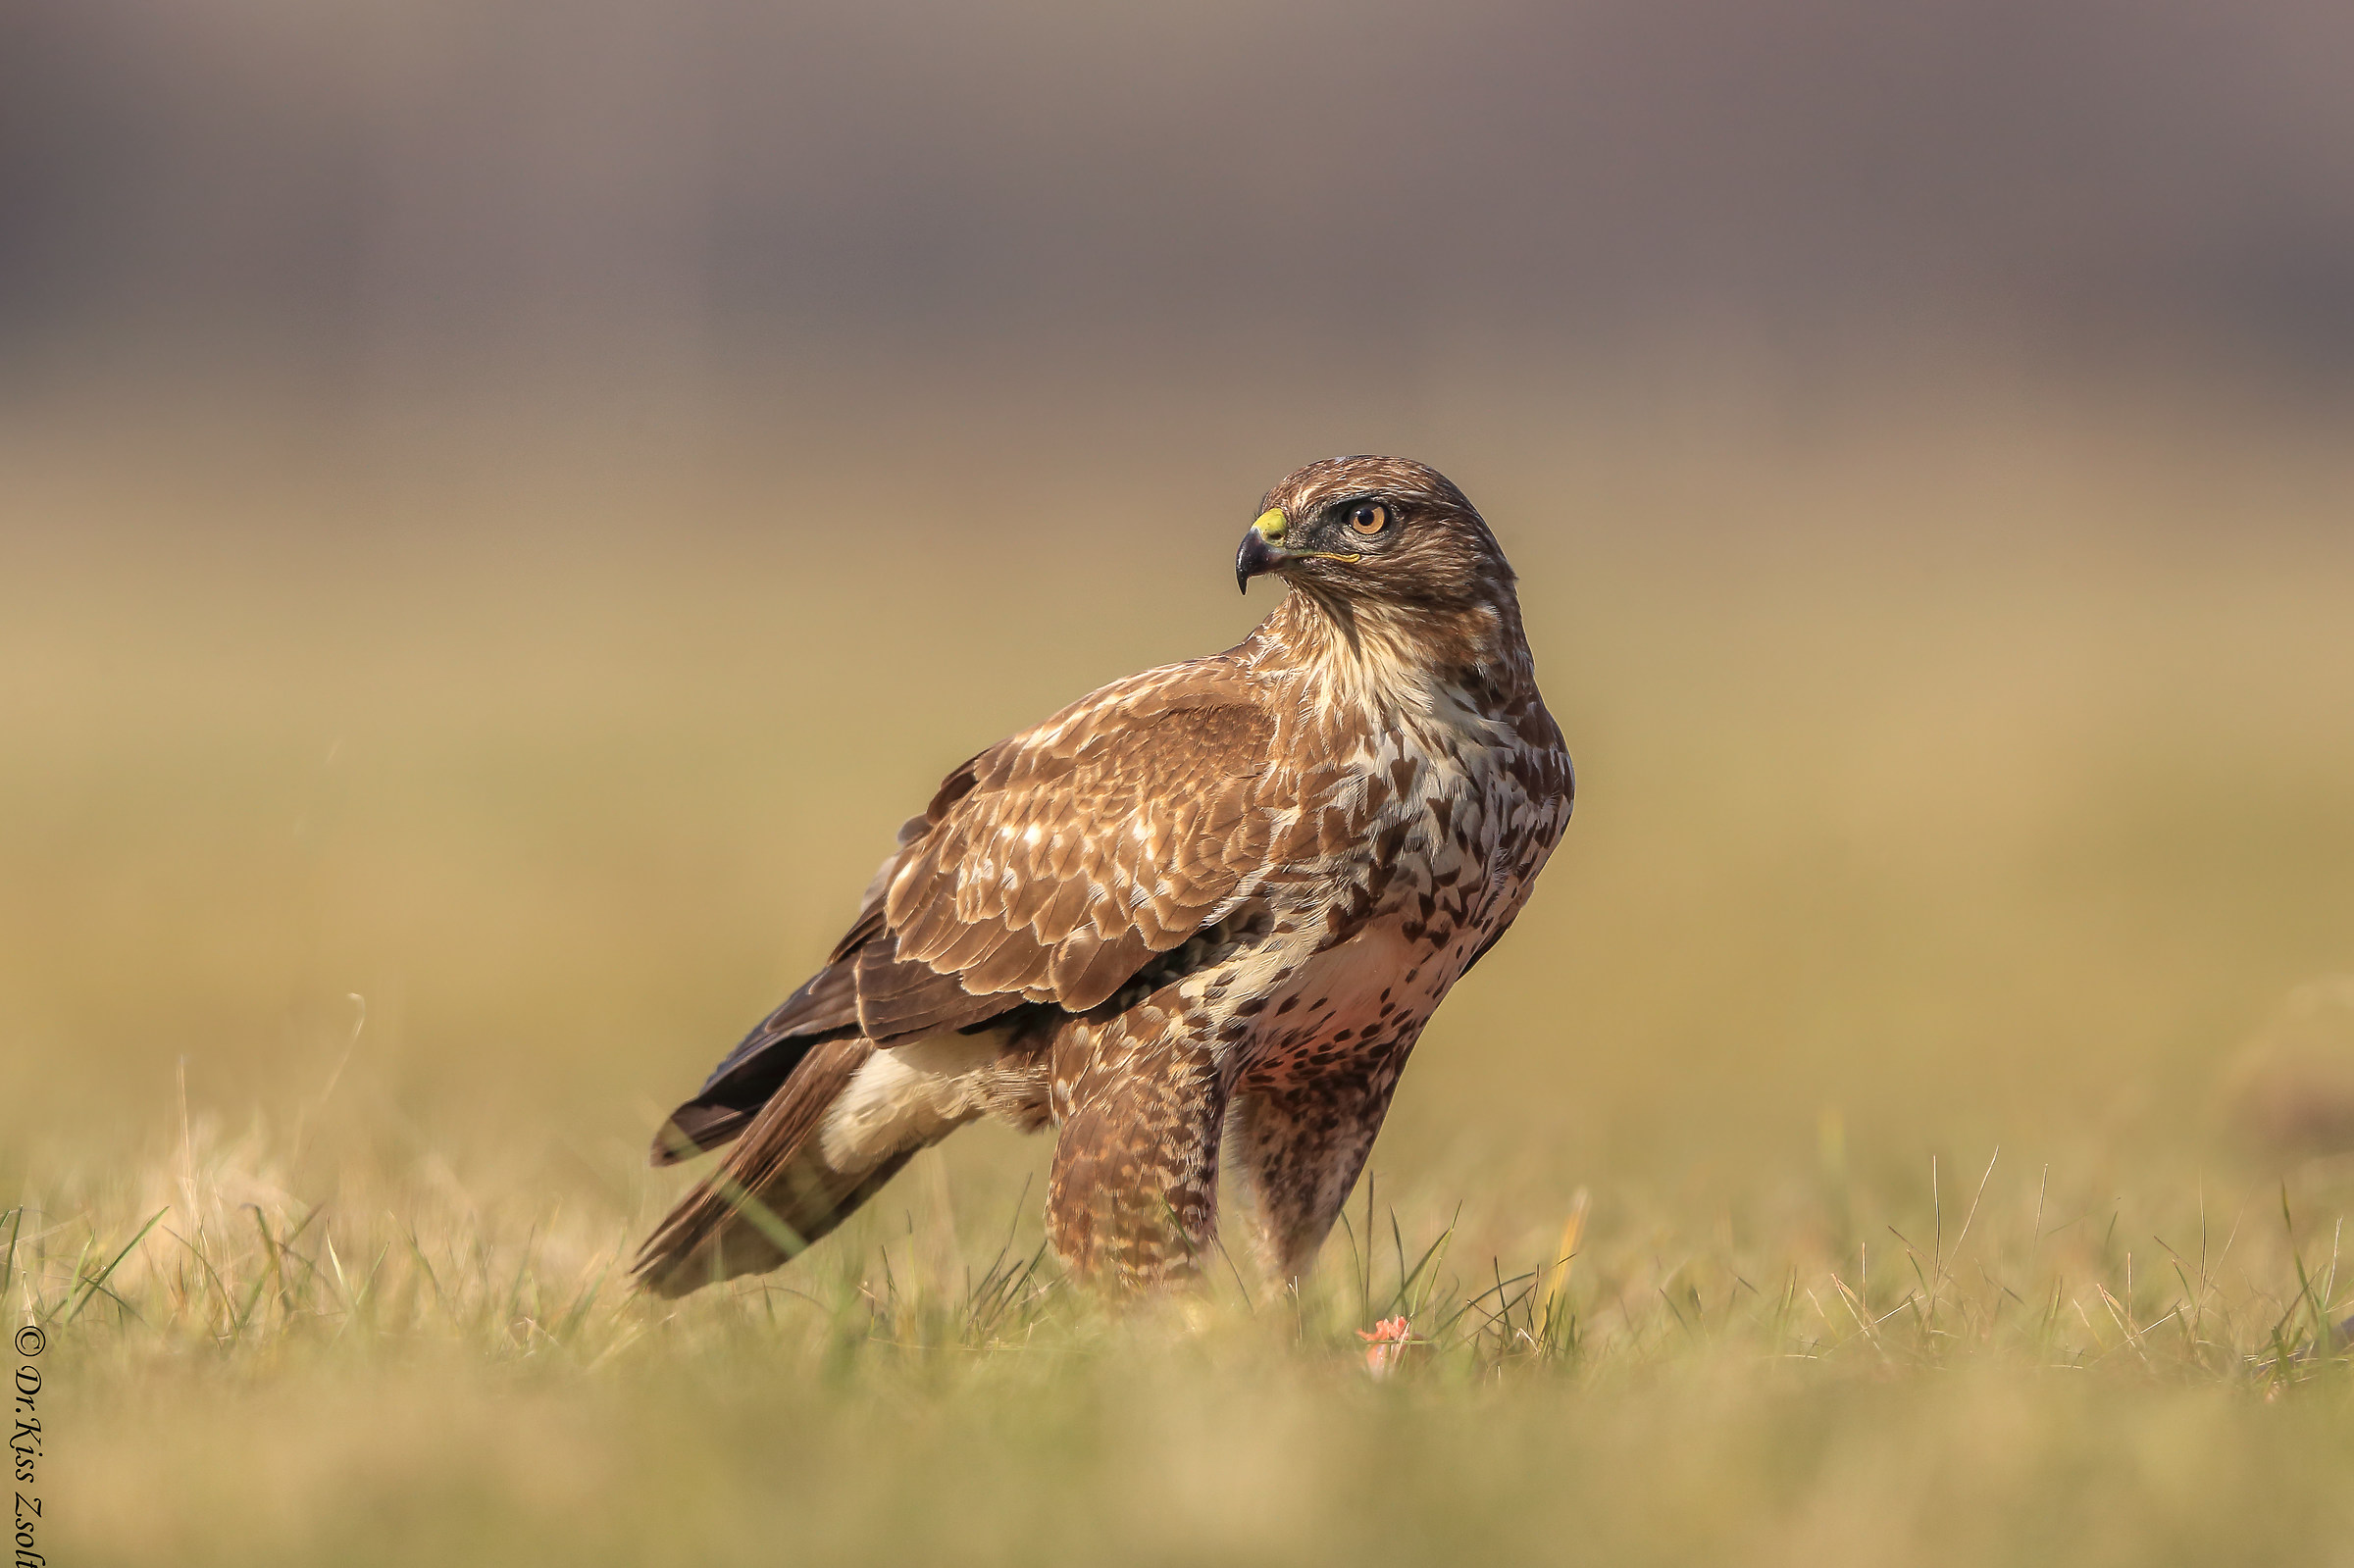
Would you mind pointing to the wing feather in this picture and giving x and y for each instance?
(1058, 862)
(1049, 868)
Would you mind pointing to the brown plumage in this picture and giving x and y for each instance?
(1213, 902)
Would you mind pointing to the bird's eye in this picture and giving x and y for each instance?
(1368, 517)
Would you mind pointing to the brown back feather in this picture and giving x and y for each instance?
(1078, 850)
(1048, 869)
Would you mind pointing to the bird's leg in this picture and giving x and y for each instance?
(1133, 1200)
(1300, 1144)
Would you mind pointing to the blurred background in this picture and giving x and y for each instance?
(505, 506)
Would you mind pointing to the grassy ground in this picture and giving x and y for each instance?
(1905, 1126)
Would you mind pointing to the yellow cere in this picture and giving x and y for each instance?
(1271, 523)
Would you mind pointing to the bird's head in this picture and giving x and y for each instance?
(1375, 534)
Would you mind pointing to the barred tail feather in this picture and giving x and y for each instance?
(845, 1121)
(775, 1192)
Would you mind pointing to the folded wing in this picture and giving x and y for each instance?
(1048, 868)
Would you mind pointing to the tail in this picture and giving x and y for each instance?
(775, 1192)
(838, 1126)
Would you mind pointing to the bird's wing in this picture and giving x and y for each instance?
(1048, 869)
(1054, 864)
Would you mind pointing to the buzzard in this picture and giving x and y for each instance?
(1211, 904)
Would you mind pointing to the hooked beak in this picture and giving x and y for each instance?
(1261, 549)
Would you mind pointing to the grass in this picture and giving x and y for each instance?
(239, 1267)
(1846, 1158)
(400, 1370)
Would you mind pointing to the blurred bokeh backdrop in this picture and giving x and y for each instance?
(377, 192)
(504, 505)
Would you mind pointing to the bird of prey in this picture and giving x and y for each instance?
(1209, 907)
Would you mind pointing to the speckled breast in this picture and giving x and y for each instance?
(1442, 869)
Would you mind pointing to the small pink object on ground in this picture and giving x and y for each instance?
(1385, 1342)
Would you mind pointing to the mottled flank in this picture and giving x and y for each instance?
(1209, 906)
